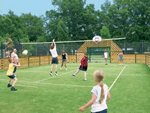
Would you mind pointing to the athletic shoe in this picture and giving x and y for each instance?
(56, 74)
(9, 85)
(85, 79)
(13, 89)
(66, 68)
(50, 74)
(73, 75)
(60, 68)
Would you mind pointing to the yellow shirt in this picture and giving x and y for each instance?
(10, 69)
(10, 44)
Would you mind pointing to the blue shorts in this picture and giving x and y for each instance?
(84, 68)
(54, 60)
(104, 111)
(12, 76)
(120, 58)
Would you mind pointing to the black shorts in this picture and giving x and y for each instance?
(84, 68)
(54, 60)
(15, 68)
(12, 76)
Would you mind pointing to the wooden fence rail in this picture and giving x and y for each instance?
(147, 60)
(45, 60)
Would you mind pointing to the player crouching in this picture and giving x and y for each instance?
(11, 75)
(83, 66)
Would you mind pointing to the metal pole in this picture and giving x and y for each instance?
(73, 41)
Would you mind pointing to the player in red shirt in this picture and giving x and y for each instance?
(83, 66)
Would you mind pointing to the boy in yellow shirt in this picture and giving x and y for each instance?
(10, 74)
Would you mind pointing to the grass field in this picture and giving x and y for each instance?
(39, 93)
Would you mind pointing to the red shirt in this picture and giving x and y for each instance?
(84, 61)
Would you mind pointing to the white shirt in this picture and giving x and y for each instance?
(97, 91)
(14, 55)
(54, 52)
(105, 55)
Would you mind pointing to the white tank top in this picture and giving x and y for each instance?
(14, 55)
(105, 55)
(54, 52)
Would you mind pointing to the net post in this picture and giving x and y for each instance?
(76, 57)
(39, 60)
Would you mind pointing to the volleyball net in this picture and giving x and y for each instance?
(94, 51)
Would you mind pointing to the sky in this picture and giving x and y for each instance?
(35, 7)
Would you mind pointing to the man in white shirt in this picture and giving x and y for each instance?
(54, 57)
(106, 56)
(15, 59)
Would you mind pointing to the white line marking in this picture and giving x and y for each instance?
(20, 85)
(67, 85)
(27, 86)
(53, 77)
(117, 78)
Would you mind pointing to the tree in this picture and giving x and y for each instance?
(105, 32)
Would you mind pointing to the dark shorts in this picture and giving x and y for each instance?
(12, 76)
(54, 61)
(104, 111)
(15, 68)
(84, 68)
(64, 60)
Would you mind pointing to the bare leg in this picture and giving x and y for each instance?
(122, 62)
(65, 65)
(56, 67)
(9, 80)
(77, 72)
(52, 67)
(106, 61)
(14, 83)
(84, 75)
(62, 64)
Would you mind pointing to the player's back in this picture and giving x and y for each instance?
(10, 69)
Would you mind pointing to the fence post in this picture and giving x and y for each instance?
(28, 62)
(1, 49)
(39, 61)
(110, 57)
(76, 57)
(145, 58)
(135, 57)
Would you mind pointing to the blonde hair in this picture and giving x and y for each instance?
(98, 77)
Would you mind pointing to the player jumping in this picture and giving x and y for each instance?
(54, 57)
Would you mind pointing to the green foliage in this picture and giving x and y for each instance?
(74, 20)
(105, 32)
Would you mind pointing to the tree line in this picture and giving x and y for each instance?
(74, 20)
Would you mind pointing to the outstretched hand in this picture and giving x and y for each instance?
(82, 109)
(53, 40)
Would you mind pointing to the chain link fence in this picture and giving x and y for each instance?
(38, 49)
(134, 47)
